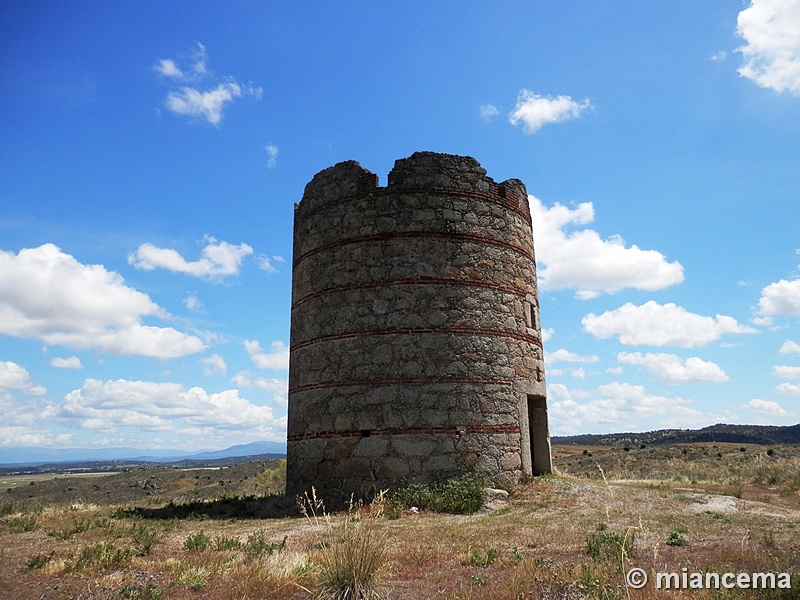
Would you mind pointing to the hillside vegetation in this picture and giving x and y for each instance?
(169, 533)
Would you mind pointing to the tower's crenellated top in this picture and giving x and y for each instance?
(419, 172)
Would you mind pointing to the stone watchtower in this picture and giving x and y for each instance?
(416, 350)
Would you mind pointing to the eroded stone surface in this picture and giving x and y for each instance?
(415, 344)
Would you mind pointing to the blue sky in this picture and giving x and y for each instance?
(151, 154)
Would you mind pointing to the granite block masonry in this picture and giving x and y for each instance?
(416, 349)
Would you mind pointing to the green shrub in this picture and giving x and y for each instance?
(136, 592)
(23, 523)
(611, 546)
(226, 542)
(478, 558)
(101, 555)
(675, 538)
(257, 543)
(273, 481)
(197, 542)
(457, 496)
(145, 539)
(37, 562)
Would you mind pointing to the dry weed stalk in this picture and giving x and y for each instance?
(352, 553)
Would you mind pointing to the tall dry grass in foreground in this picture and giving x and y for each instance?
(351, 558)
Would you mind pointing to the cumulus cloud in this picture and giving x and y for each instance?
(673, 369)
(206, 104)
(534, 111)
(214, 365)
(278, 387)
(790, 347)
(767, 406)
(562, 355)
(781, 298)
(584, 261)
(785, 372)
(219, 259)
(617, 405)
(110, 405)
(72, 362)
(655, 324)
(772, 50)
(277, 358)
(15, 377)
(789, 388)
(48, 295)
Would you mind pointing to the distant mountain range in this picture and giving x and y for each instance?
(37, 456)
(735, 434)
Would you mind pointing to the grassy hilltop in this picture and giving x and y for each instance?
(215, 532)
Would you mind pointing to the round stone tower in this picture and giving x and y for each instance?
(416, 350)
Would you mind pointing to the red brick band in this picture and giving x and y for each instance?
(413, 281)
(509, 202)
(450, 430)
(379, 237)
(524, 337)
(395, 381)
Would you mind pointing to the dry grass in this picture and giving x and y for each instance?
(557, 538)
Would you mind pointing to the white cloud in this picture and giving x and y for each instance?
(276, 359)
(199, 59)
(614, 405)
(272, 155)
(535, 111)
(107, 406)
(562, 355)
(278, 387)
(48, 295)
(219, 259)
(788, 388)
(168, 68)
(772, 50)
(214, 365)
(489, 112)
(786, 372)
(16, 377)
(767, 406)
(673, 369)
(265, 264)
(584, 261)
(654, 324)
(193, 303)
(206, 104)
(72, 362)
(781, 298)
(790, 347)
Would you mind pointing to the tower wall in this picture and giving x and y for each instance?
(415, 342)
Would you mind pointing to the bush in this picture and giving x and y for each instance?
(102, 555)
(457, 496)
(611, 546)
(23, 523)
(257, 543)
(38, 562)
(145, 538)
(352, 555)
(197, 542)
